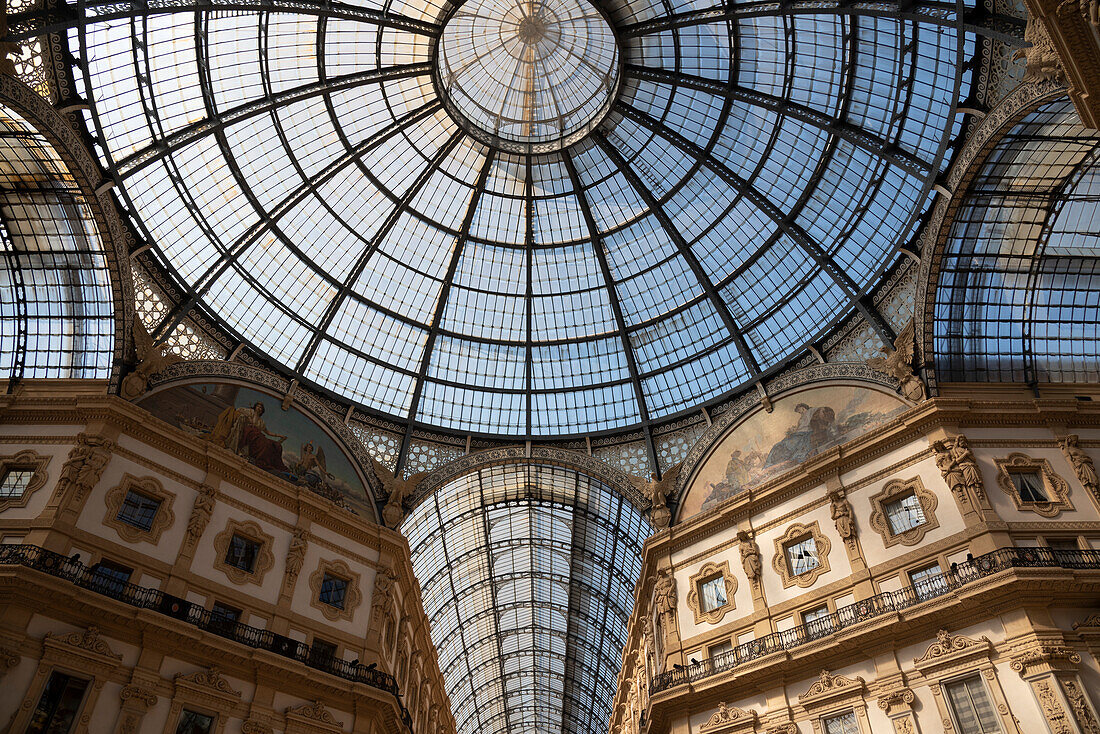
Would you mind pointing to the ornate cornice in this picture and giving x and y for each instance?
(88, 640)
(949, 647)
(729, 719)
(138, 693)
(210, 679)
(316, 713)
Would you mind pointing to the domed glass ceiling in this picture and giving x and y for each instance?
(531, 219)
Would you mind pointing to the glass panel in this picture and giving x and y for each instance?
(15, 482)
(333, 590)
(928, 582)
(192, 722)
(802, 556)
(720, 649)
(242, 553)
(842, 724)
(58, 705)
(972, 707)
(1030, 486)
(138, 510)
(110, 577)
(712, 594)
(904, 513)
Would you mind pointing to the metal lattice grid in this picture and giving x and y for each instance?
(1017, 291)
(527, 574)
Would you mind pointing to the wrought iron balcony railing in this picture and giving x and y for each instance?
(58, 566)
(957, 576)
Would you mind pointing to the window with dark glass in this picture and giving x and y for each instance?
(322, 651)
(242, 553)
(971, 707)
(802, 556)
(1063, 544)
(928, 581)
(1029, 485)
(904, 513)
(712, 593)
(333, 590)
(58, 705)
(818, 620)
(194, 722)
(138, 510)
(111, 577)
(224, 617)
(15, 482)
(844, 723)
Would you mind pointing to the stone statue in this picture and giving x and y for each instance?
(750, 556)
(152, 360)
(946, 464)
(900, 363)
(1042, 60)
(1082, 464)
(657, 491)
(842, 514)
(200, 514)
(396, 492)
(85, 464)
(968, 465)
(383, 589)
(296, 554)
(664, 600)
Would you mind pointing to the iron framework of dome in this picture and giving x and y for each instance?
(722, 185)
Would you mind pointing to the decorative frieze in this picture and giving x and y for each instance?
(730, 720)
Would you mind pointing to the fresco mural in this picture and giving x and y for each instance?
(767, 444)
(251, 424)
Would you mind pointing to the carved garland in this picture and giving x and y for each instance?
(708, 572)
(264, 558)
(352, 595)
(896, 489)
(1057, 489)
(150, 487)
(795, 533)
(26, 460)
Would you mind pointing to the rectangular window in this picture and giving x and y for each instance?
(712, 593)
(1029, 485)
(802, 556)
(58, 705)
(720, 649)
(15, 482)
(971, 706)
(1062, 544)
(110, 577)
(224, 618)
(904, 513)
(193, 722)
(844, 723)
(242, 553)
(928, 582)
(138, 510)
(322, 652)
(818, 621)
(333, 591)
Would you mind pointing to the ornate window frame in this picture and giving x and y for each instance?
(833, 694)
(708, 572)
(896, 489)
(794, 533)
(151, 487)
(952, 657)
(353, 597)
(204, 691)
(25, 459)
(1057, 489)
(83, 654)
(730, 720)
(265, 559)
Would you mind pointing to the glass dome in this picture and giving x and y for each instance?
(524, 219)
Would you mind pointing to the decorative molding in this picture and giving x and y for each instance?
(1082, 464)
(26, 459)
(265, 559)
(150, 487)
(1041, 657)
(253, 726)
(88, 640)
(83, 468)
(896, 489)
(794, 533)
(132, 692)
(210, 678)
(959, 468)
(903, 698)
(8, 660)
(1056, 716)
(309, 717)
(706, 573)
(828, 685)
(730, 719)
(352, 595)
(951, 650)
(1089, 624)
(1057, 489)
(1079, 705)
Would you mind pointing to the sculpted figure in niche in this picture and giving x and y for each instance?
(85, 464)
(968, 465)
(296, 554)
(243, 431)
(664, 599)
(842, 515)
(949, 468)
(750, 556)
(200, 514)
(1081, 463)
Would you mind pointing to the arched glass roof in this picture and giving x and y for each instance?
(1017, 296)
(661, 202)
(56, 304)
(528, 576)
